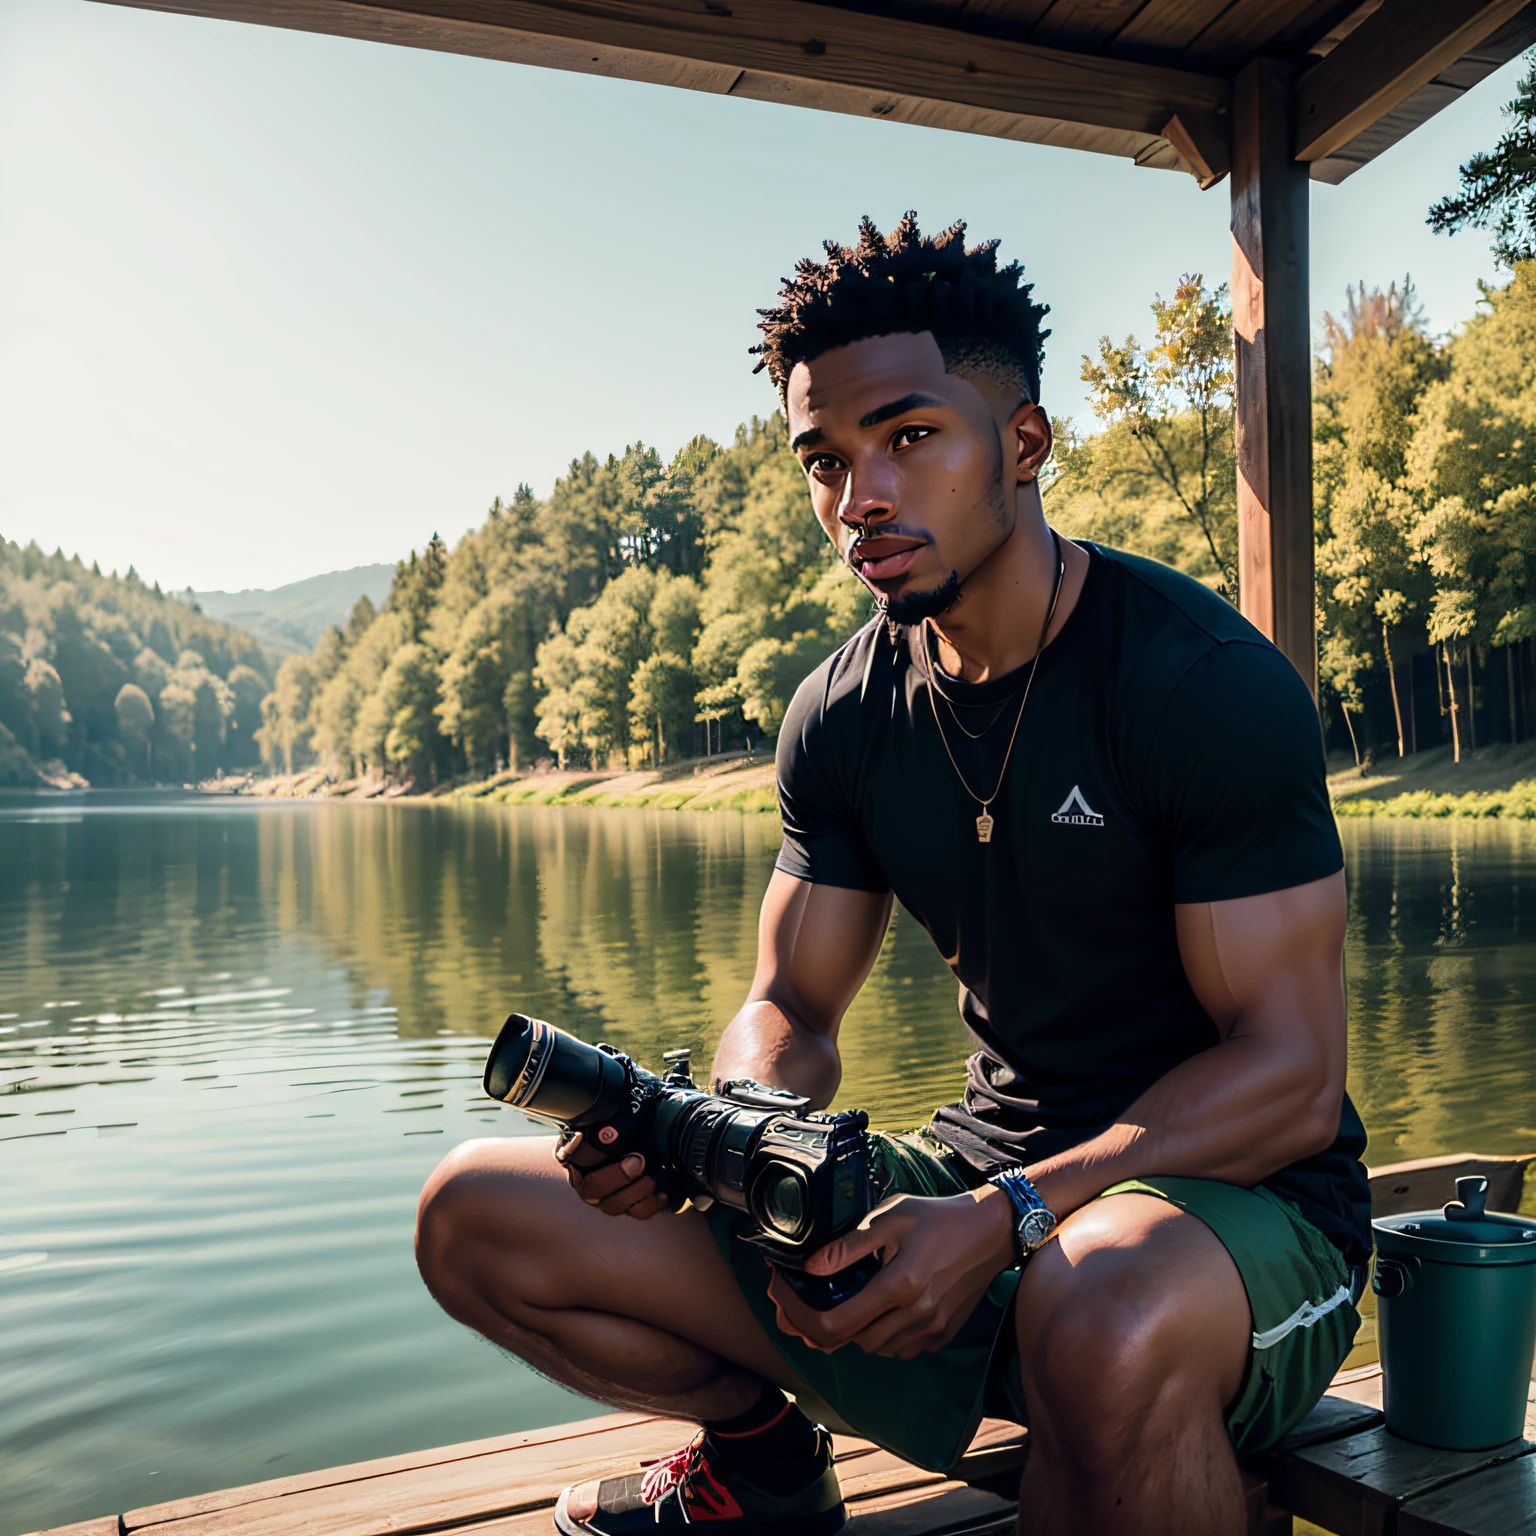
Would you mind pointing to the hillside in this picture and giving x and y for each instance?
(292, 618)
(108, 681)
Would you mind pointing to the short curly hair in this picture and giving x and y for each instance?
(982, 316)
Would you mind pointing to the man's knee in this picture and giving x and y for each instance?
(1089, 1369)
(1122, 1332)
(472, 1197)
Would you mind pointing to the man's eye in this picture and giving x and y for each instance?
(906, 436)
(823, 464)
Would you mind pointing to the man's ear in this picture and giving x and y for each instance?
(1029, 428)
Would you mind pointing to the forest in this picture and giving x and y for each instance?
(1424, 483)
(106, 680)
(642, 612)
(648, 610)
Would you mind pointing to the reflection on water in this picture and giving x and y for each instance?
(234, 1038)
(1442, 986)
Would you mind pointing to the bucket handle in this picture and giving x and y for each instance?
(1393, 1276)
(1471, 1197)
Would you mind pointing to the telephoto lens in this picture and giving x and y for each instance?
(593, 1089)
(553, 1075)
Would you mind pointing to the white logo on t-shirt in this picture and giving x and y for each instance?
(1076, 812)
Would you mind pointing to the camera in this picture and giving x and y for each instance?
(803, 1178)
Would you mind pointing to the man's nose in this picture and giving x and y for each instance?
(867, 500)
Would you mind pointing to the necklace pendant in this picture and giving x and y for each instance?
(984, 828)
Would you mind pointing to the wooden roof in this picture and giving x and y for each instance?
(1144, 79)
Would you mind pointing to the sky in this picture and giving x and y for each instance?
(273, 304)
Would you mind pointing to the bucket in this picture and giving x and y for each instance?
(1456, 1317)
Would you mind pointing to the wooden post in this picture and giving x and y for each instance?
(1272, 332)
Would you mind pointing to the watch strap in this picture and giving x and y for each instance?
(1026, 1200)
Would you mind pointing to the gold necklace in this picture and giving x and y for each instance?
(949, 703)
(985, 822)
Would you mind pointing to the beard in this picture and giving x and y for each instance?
(914, 607)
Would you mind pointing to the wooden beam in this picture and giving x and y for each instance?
(1392, 54)
(1202, 145)
(1272, 333)
(788, 51)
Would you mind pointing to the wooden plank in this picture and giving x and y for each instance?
(493, 1481)
(107, 1525)
(1342, 27)
(1086, 24)
(450, 1493)
(1162, 29)
(1335, 1417)
(1383, 62)
(1006, 18)
(1357, 1485)
(1361, 1386)
(1273, 341)
(1310, 24)
(1500, 1502)
(1428, 1182)
(948, 1509)
(1203, 146)
(946, 1513)
(857, 62)
(1248, 27)
(934, 1511)
(605, 1425)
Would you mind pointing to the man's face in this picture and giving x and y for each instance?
(912, 470)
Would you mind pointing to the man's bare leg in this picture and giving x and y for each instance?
(1133, 1330)
(642, 1315)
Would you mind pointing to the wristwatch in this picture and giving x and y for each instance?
(1033, 1220)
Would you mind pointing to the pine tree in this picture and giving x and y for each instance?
(1498, 187)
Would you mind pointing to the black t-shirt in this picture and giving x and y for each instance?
(1168, 753)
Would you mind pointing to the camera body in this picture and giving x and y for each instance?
(802, 1177)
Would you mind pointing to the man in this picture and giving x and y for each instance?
(1101, 792)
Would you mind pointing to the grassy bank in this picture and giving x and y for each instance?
(1494, 783)
(741, 783)
(729, 784)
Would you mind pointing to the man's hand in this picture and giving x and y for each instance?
(939, 1256)
(616, 1189)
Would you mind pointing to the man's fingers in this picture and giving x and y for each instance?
(648, 1208)
(926, 1331)
(882, 1230)
(890, 1290)
(797, 1319)
(842, 1324)
(907, 1340)
(623, 1201)
(598, 1184)
(846, 1250)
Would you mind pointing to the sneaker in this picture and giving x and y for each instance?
(698, 1486)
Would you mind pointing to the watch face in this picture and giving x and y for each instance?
(1034, 1228)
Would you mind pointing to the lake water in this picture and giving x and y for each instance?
(236, 1036)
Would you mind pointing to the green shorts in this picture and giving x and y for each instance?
(926, 1410)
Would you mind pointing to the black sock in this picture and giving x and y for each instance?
(772, 1429)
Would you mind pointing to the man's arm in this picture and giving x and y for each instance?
(1269, 971)
(815, 946)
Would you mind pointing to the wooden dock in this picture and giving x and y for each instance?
(1340, 1469)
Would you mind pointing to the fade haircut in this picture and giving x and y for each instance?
(981, 315)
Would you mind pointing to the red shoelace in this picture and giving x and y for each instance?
(687, 1473)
